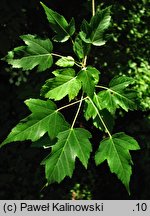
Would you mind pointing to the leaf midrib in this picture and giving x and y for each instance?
(59, 24)
(79, 147)
(62, 151)
(38, 122)
(115, 149)
(60, 86)
(17, 61)
(120, 95)
(37, 44)
(100, 33)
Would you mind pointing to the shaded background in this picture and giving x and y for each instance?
(127, 51)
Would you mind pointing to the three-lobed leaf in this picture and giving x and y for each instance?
(65, 83)
(117, 95)
(93, 32)
(59, 25)
(71, 143)
(44, 118)
(37, 52)
(115, 150)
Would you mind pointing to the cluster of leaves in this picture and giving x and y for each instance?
(129, 47)
(130, 30)
(137, 49)
(133, 22)
(141, 74)
(47, 127)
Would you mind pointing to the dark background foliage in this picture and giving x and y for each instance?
(127, 51)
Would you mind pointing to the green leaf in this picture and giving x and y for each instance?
(65, 83)
(120, 82)
(116, 151)
(44, 118)
(85, 31)
(65, 62)
(94, 31)
(36, 53)
(91, 111)
(59, 25)
(71, 143)
(80, 48)
(118, 95)
(89, 77)
(66, 72)
(95, 73)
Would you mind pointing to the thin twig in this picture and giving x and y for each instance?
(93, 7)
(102, 87)
(78, 64)
(100, 117)
(71, 104)
(57, 55)
(84, 61)
(77, 113)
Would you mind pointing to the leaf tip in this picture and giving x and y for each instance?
(27, 101)
(1, 145)
(128, 189)
(42, 3)
(4, 143)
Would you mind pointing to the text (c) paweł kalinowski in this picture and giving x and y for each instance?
(61, 207)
